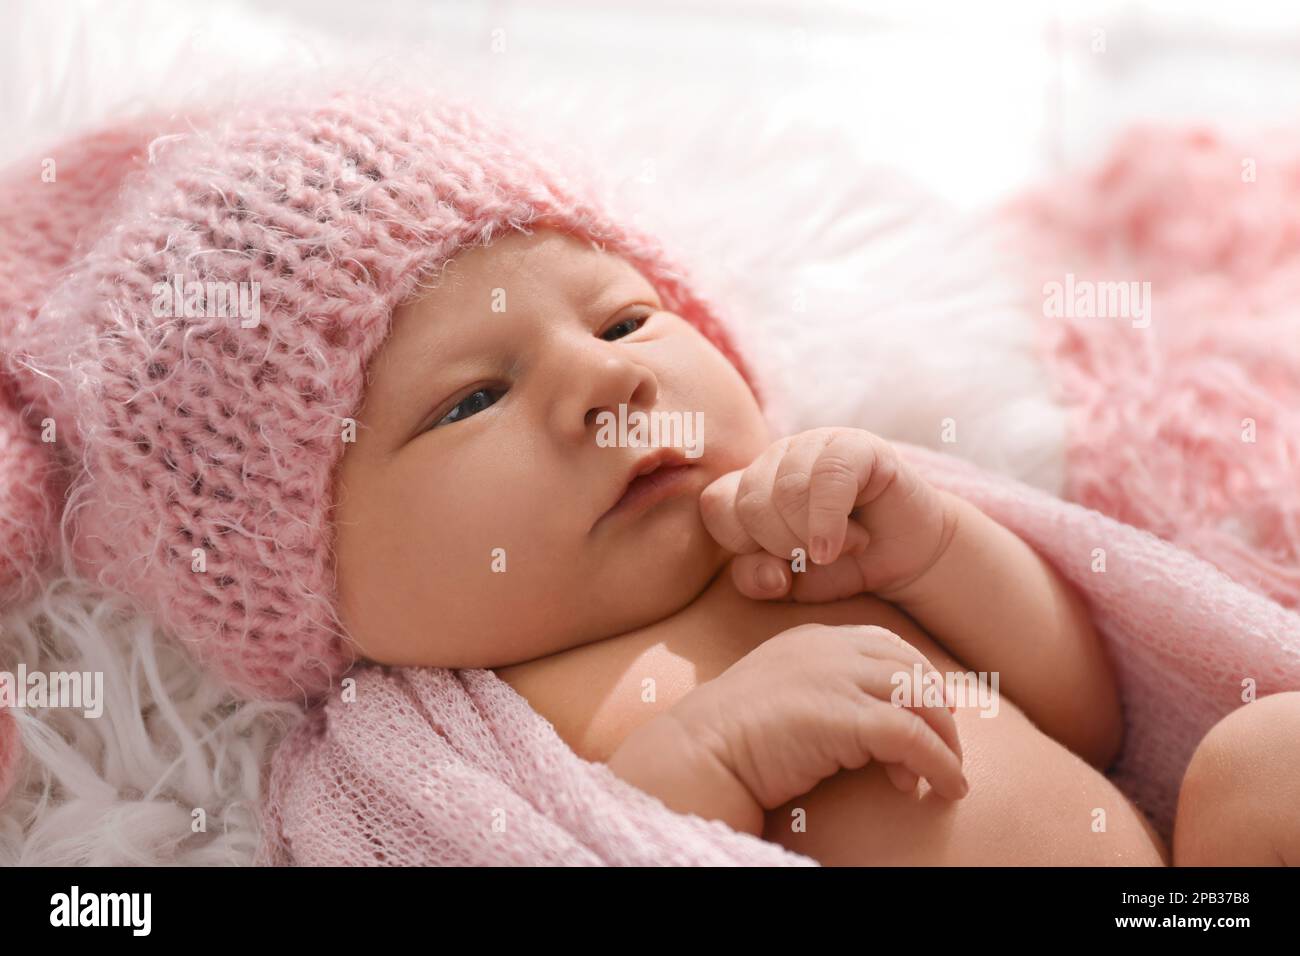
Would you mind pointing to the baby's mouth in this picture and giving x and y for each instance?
(655, 477)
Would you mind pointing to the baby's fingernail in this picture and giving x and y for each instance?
(769, 578)
(821, 550)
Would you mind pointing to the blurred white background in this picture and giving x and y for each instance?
(970, 100)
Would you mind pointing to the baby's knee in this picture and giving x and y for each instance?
(1240, 793)
(1266, 730)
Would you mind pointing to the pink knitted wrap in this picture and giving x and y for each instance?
(201, 446)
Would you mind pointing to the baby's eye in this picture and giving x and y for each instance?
(626, 327)
(471, 404)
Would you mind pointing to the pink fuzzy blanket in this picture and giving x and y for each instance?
(1187, 422)
(432, 767)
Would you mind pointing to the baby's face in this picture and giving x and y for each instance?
(473, 510)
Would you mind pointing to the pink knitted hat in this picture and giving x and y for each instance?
(39, 223)
(202, 447)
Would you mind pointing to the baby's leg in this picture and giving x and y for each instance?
(1240, 800)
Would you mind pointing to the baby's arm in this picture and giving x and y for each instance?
(666, 761)
(998, 605)
(872, 524)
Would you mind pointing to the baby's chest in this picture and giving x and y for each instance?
(597, 694)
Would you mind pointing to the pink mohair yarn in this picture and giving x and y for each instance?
(200, 448)
(28, 509)
(44, 208)
(1190, 427)
(40, 220)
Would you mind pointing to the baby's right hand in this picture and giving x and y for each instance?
(815, 700)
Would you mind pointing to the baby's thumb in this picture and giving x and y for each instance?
(765, 577)
(761, 576)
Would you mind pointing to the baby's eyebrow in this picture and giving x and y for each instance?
(613, 295)
(443, 353)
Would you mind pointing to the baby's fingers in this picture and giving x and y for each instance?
(881, 678)
(922, 739)
(840, 472)
(718, 511)
(766, 577)
(901, 777)
(761, 576)
(901, 735)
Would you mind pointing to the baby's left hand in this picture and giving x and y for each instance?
(865, 519)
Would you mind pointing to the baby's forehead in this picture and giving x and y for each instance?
(546, 272)
(544, 260)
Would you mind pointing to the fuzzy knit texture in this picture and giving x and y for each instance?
(39, 226)
(29, 491)
(434, 767)
(47, 208)
(1189, 426)
(195, 441)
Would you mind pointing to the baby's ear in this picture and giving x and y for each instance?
(29, 506)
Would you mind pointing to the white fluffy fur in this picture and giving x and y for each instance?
(862, 302)
(124, 788)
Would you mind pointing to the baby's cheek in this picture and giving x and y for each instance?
(735, 431)
(493, 530)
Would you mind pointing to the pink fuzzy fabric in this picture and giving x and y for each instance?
(41, 223)
(28, 510)
(1156, 436)
(28, 491)
(422, 764)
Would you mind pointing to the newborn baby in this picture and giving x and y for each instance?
(336, 377)
(645, 600)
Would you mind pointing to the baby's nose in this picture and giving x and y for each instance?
(601, 382)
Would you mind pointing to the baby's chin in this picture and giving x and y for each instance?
(654, 574)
